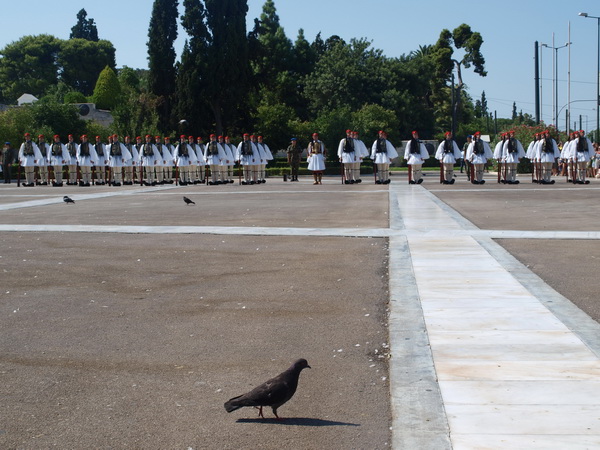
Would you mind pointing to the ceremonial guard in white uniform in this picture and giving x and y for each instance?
(581, 154)
(57, 157)
(348, 155)
(316, 158)
(118, 154)
(86, 159)
(478, 154)
(214, 155)
(382, 153)
(546, 154)
(566, 157)
(71, 161)
(447, 154)
(245, 155)
(512, 152)
(169, 160)
(150, 158)
(42, 163)
(227, 165)
(530, 155)
(129, 163)
(138, 169)
(415, 155)
(199, 168)
(267, 156)
(164, 167)
(498, 157)
(100, 161)
(362, 152)
(29, 155)
(185, 157)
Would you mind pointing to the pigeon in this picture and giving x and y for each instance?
(274, 392)
(188, 201)
(68, 199)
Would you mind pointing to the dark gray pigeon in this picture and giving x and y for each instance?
(273, 393)
(68, 199)
(188, 201)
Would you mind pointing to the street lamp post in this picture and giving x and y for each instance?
(555, 62)
(583, 14)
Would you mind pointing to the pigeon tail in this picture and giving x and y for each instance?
(232, 405)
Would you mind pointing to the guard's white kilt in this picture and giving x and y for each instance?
(316, 162)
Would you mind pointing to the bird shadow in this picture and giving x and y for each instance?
(300, 421)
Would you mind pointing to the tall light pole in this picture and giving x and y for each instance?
(583, 14)
(555, 62)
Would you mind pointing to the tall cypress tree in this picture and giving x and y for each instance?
(162, 33)
(191, 82)
(228, 69)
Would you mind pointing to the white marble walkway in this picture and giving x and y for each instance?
(479, 361)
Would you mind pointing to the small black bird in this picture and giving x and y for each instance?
(274, 392)
(188, 201)
(68, 199)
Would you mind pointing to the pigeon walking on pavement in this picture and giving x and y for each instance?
(68, 199)
(188, 201)
(274, 392)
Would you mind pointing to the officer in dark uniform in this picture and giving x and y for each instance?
(294, 152)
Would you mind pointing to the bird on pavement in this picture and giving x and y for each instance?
(274, 392)
(188, 201)
(68, 199)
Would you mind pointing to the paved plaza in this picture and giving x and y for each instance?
(433, 316)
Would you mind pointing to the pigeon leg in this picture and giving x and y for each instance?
(275, 412)
(260, 413)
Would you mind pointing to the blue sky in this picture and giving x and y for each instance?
(509, 29)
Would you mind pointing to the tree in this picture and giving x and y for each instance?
(272, 60)
(162, 33)
(191, 82)
(84, 28)
(514, 111)
(108, 90)
(81, 61)
(228, 75)
(28, 65)
(347, 74)
(463, 38)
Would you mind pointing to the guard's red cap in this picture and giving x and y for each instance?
(40, 136)
(212, 136)
(315, 134)
(56, 136)
(447, 133)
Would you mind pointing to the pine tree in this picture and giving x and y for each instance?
(84, 28)
(514, 111)
(162, 33)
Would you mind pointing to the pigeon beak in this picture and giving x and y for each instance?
(308, 367)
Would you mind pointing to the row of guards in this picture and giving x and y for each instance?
(149, 163)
